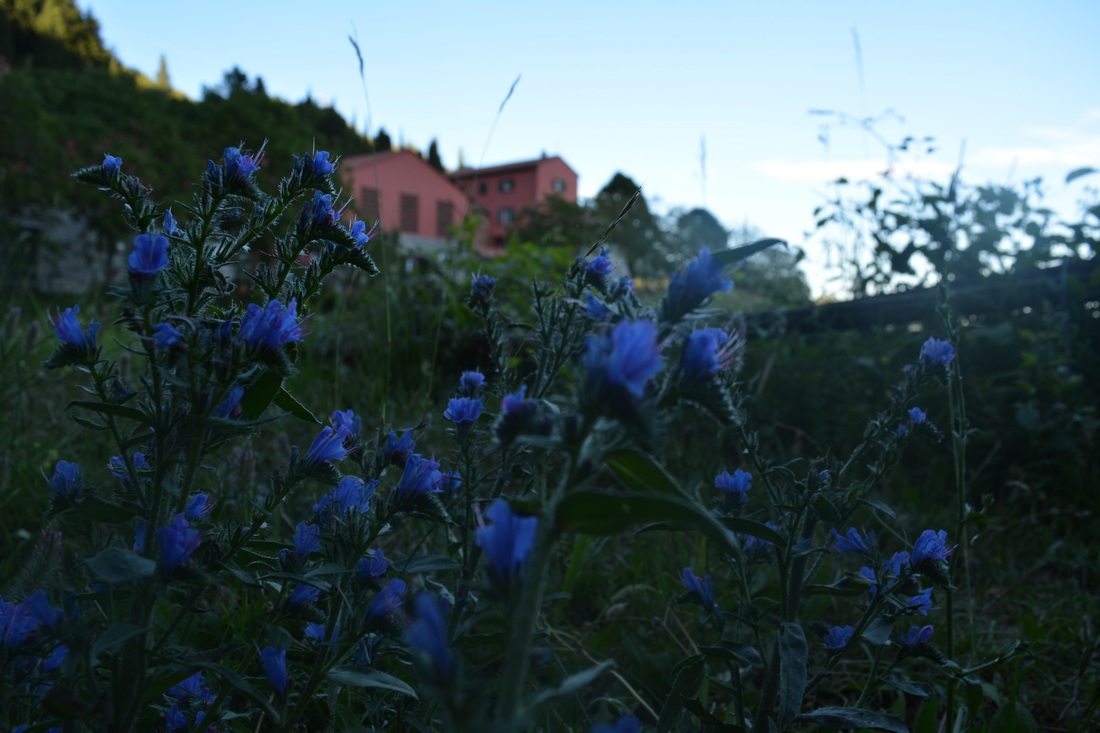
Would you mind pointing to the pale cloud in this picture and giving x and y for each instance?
(823, 171)
(1076, 151)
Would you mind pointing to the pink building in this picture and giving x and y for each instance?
(501, 192)
(405, 194)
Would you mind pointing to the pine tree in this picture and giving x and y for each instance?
(162, 80)
(433, 156)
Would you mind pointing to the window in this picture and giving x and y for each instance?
(444, 218)
(506, 185)
(410, 213)
(559, 185)
(483, 188)
(506, 215)
(369, 205)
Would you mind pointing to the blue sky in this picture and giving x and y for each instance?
(635, 87)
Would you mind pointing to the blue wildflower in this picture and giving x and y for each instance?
(389, 600)
(481, 288)
(316, 631)
(916, 636)
(917, 416)
(373, 565)
(701, 588)
(471, 384)
(360, 233)
(193, 686)
(930, 549)
(897, 563)
(702, 357)
(753, 545)
(321, 212)
(303, 594)
(268, 328)
(165, 336)
(869, 574)
(837, 637)
(307, 539)
(397, 449)
(600, 267)
(274, 664)
(67, 327)
(427, 636)
(350, 495)
(517, 416)
(734, 486)
(450, 480)
(922, 601)
(936, 353)
(328, 446)
(177, 542)
(118, 466)
(198, 507)
(421, 476)
(463, 411)
(903, 430)
(626, 359)
(44, 614)
(66, 480)
(321, 165)
(175, 719)
(688, 288)
(507, 541)
(230, 407)
(57, 656)
(626, 724)
(346, 419)
(139, 537)
(240, 166)
(595, 309)
(169, 224)
(112, 163)
(149, 257)
(17, 623)
(854, 542)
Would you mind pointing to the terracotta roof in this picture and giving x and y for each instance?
(504, 167)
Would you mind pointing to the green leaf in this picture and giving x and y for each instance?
(572, 684)
(879, 631)
(740, 654)
(107, 408)
(641, 473)
(735, 254)
(689, 675)
(1013, 718)
(792, 672)
(234, 680)
(881, 506)
(923, 690)
(591, 512)
(113, 637)
(429, 564)
(116, 565)
(755, 529)
(261, 394)
(1076, 173)
(352, 677)
(96, 509)
(286, 401)
(851, 719)
(825, 509)
(927, 720)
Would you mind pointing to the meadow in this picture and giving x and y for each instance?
(350, 489)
